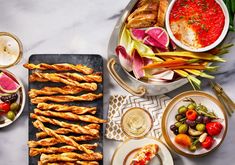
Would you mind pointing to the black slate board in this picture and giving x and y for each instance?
(92, 60)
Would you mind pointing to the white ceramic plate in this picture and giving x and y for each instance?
(172, 109)
(217, 42)
(126, 151)
(20, 100)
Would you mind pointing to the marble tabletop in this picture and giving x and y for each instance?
(81, 26)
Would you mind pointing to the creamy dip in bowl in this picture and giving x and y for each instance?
(197, 25)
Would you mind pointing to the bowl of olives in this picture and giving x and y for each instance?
(194, 124)
(12, 98)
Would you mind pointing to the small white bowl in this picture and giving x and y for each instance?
(20, 100)
(209, 47)
(171, 110)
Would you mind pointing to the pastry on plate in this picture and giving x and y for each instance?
(145, 154)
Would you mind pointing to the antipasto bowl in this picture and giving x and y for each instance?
(187, 141)
(197, 26)
(150, 58)
(12, 98)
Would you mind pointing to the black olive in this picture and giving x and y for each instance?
(10, 98)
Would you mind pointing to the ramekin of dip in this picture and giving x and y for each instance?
(197, 25)
(11, 50)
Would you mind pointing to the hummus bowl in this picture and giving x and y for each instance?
(197, 26)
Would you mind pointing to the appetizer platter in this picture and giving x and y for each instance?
(194, 124)
(66, 109)
(142, 151)
(12, 98)
(162, 45)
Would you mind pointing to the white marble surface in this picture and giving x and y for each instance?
(81, 26)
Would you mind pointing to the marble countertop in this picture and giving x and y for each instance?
(81, 26)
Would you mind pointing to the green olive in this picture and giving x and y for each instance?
(178, 124)
(178, 117)
(200, 127)
(183, 128)
(182, 110)
(10, 115)
(202, 108)
(14, 107)
(192, 148)
(192, 106)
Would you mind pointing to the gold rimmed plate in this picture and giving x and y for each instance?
(126, 151)
(4, 121)
(171, 110)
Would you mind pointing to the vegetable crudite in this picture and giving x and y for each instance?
(146, 50)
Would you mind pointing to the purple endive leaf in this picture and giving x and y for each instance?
(147, 61)
(138, 34)
(138, 64)
(124, 58)
(166, 76)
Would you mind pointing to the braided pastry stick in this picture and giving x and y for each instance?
(70, 76)
(72, 163)
(87, 78)
(71, 90)
(66, 108)
(61, 67)
(45, 77)
(53, 141)
(70, 157)
(67, 98)
(62, 138)
(74, 127)
(65, 131)
(51, 150)
(70, 116)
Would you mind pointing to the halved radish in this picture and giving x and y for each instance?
(7, 84)
(138, 34)
(152, 42)
(159, 34)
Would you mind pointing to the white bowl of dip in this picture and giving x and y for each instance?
(188, 39)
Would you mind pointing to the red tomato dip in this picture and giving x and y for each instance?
(197, 23)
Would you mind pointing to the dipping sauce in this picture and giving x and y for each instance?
(10, 50)
(197, 23)
(136, 122)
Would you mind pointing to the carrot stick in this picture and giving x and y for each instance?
(168, 63)
(197, 67)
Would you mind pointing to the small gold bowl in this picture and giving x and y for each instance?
(11, 50)
(136, 122)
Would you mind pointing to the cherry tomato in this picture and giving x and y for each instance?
(209, 141)
(214, 128)
(4, 108)
(191, 115)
